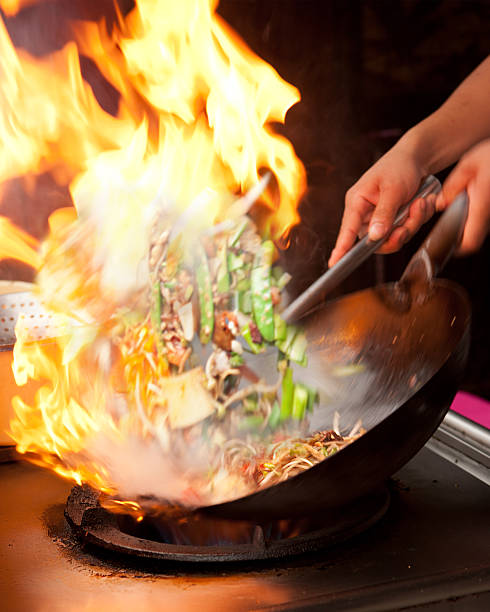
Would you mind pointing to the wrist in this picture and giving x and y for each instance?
(419, 150)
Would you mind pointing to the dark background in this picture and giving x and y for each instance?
(367, 71)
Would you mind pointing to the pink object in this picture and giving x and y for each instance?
(472, 407)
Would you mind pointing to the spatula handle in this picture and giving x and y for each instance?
(440, 244)
(351, 260)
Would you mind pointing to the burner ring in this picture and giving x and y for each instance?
(95, 525)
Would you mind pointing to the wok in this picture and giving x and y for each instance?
(392, 356)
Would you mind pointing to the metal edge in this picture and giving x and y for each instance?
(465, 444)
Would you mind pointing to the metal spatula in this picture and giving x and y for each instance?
(351, 260)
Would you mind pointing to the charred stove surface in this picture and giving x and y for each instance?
(198, 538)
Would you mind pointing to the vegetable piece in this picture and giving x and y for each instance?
(284, 280)
(300, 401)
(186, 318)
(262, 306)
(235, 262)
(156, 306)
(236, 360)
(243, 284)
(247, 336)
(276, 272)
(312, 398)
(287, 394)
(284, 345)
(280, 328)
(156, 313)
(297, 350)
(251, 403)
(251, 422)
(188, 402)
(294, 345)
(223, 277)
(348, 370)
(239, 231)
(206, 305)
(275, 416)
(245, 302)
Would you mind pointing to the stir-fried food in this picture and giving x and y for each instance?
(223, 357)
(214, 307)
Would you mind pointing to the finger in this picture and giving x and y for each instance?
(355, 212)
(363, 230)
(457, 181)
(419, 213)
(399, 236)
(441, 202)
(478, 222)
(390, 199)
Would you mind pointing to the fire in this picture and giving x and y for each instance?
(193, 130)
(50, 119)
(12, 7)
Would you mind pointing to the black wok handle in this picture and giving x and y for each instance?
(440, 244)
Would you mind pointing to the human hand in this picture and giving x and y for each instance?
(372, 203)
(473, 174)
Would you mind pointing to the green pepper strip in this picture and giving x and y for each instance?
(263, 309)
(300, 401)
(206, 305)
(223, 281)
(287, 394)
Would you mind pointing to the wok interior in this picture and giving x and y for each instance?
(370, 351)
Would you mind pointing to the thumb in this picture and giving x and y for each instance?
(385, 211)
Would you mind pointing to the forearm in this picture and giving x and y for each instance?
(463, 120)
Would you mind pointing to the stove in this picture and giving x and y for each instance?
(431, 547)
(195, 537)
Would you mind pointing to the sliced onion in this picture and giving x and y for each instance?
(186, 318)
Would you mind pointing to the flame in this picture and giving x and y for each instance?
(50, 119)
(12, 7)
(17, 244)
(193, 129)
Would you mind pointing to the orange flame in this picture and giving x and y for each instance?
(193, 129)
(12, 7)
(16, 244)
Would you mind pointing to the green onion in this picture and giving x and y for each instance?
(206, 305)
(300, 402)
(263, 308)
(312, 398)
(297, 350)
(287, 394)
(280, 328)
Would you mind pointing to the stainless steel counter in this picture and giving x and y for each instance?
(432, 547)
